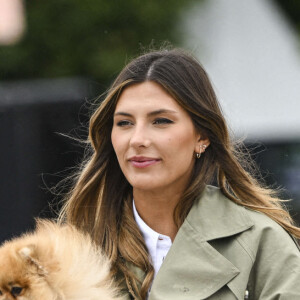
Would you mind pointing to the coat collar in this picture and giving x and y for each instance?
(193, 269)
(214, 216)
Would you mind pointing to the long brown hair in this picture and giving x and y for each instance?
(100, 201)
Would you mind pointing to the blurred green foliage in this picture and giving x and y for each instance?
(91, 38)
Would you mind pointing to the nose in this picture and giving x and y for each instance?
(140, 137)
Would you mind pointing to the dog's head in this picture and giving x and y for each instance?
(22, 274)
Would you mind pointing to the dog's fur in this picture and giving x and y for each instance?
(54, 263)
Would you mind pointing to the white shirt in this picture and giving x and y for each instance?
(158, 244)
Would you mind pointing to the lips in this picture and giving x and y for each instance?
(143, 162)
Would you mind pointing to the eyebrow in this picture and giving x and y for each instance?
(150, 114)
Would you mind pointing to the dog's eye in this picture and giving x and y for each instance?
(16, 290)
(0, 293)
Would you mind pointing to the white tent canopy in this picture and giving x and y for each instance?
(253, 58)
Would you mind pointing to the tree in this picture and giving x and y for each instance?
(91, 38)
(292, 10)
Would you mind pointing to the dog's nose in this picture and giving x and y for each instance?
(16, 291)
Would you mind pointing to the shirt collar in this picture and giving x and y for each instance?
(150, 236)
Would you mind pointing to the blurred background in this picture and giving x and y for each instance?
(57, 56)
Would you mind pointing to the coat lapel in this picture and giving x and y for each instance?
(193, 269)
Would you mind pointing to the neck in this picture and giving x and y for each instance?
(157, 209)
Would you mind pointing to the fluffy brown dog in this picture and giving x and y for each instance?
(54, 263)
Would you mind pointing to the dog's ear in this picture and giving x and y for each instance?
(29, 253)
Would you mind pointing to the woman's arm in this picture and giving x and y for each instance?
(276, 270)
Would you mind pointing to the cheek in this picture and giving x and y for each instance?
(116, 141)
(119, 144)
(182, 142)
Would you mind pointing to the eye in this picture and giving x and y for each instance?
(123, 123)
(0, 293)
(16, 290)
(162, 121)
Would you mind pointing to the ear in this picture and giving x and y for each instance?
(201, 144)
(29, 254)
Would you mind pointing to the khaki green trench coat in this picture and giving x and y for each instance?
(224, 251)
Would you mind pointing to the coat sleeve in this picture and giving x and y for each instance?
(275, 274)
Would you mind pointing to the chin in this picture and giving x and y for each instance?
(146, 183)
(54, 262)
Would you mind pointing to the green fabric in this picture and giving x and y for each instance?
(222, 250)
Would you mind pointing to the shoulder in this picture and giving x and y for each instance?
(275, 256)
(265, 226)
(267, 241)
(266, 256)
(216, 216)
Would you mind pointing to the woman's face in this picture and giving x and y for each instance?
(154, 138)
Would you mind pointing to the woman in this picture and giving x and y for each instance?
(158, 139)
